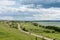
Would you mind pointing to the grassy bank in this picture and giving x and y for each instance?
(9, 33)
(28, 26)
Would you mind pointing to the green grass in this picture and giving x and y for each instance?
(40, 31)
(7, 33)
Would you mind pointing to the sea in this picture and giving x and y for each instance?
(57, 24)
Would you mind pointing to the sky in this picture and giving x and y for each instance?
(29, 9)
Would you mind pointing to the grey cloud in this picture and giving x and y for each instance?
(44, 3)
(39, 1)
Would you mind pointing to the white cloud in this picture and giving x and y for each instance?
(7, 9)
(6, 18)
(48, 14)
(5, 6)
(46, 17)
(42, 13)
(7, 3)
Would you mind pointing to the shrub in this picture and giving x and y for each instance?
(35, 24)
(53, 31)
(53, 28)
(47, 31)
(13, 25)
(25, 29)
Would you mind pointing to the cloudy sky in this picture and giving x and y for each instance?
(29, 9)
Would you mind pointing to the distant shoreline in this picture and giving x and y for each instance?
(34, 20)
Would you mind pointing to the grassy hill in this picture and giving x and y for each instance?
(8, 33)
(40, 31)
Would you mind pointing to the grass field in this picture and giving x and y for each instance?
(40, 31)
(8, 33)
(12, 33)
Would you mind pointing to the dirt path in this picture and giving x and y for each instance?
(19, 27)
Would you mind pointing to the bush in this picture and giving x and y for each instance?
(47, 31)
(25, 29)
(35, 24)
(13, 25)
(53, 31)
(53, 28)
(40, 25)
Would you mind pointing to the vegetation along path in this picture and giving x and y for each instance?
(19, 27)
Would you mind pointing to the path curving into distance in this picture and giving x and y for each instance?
(19, 28)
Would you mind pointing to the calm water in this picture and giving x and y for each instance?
(50, 23)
